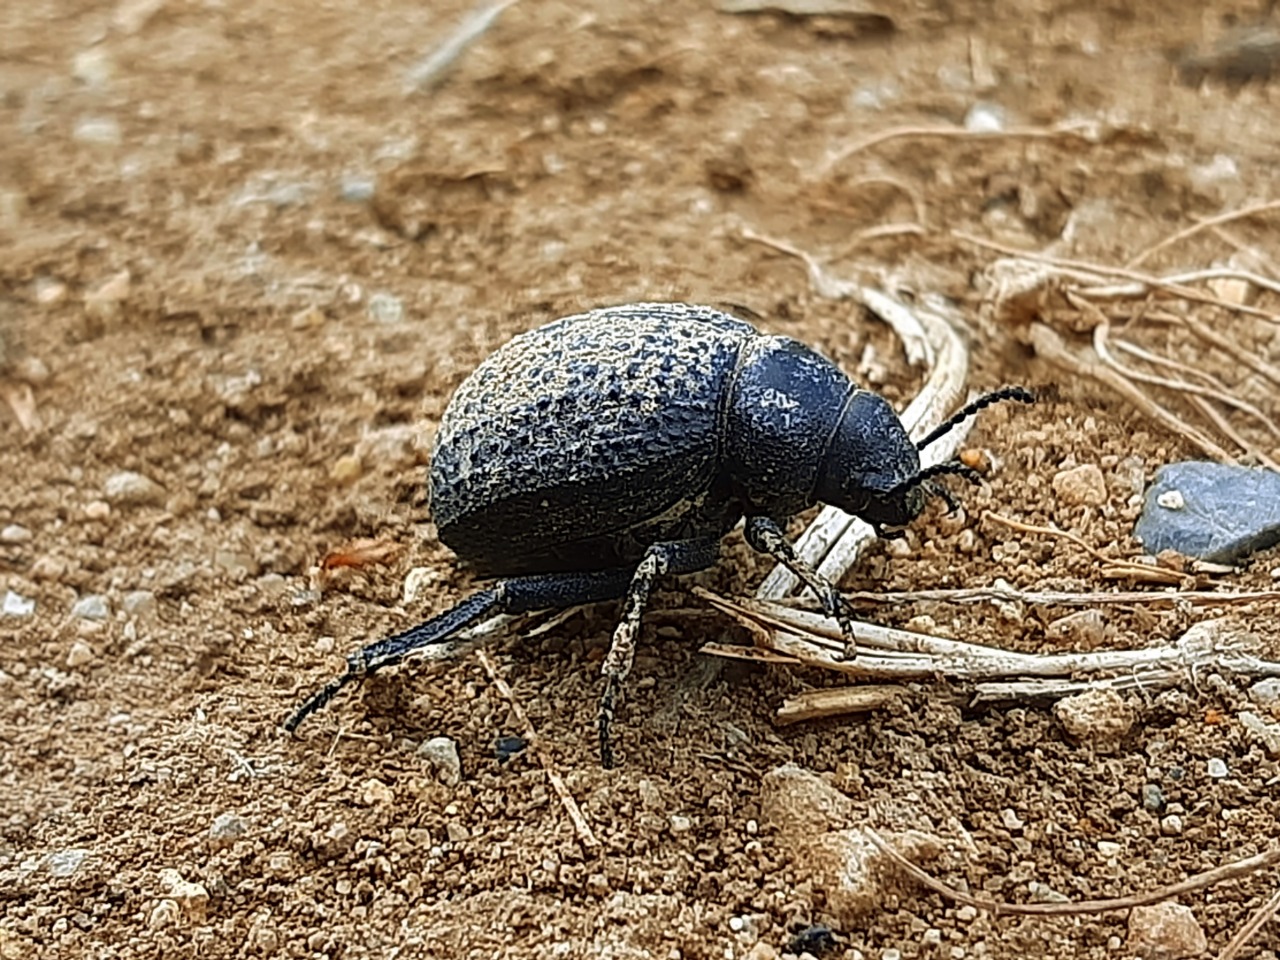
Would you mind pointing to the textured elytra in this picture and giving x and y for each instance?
(584, 440)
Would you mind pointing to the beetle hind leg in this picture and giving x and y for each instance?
(681, 556)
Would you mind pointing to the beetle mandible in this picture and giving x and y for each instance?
(589, 456)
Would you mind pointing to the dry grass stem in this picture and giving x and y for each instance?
(886, 653)
(1146, 283)
(1201, 881)
(1080, 131)
(1112, 569)
(1255, 923)
(1223, 218)
(535, 743)
(969, 595)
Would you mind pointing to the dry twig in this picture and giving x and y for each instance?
(535, 743)
(1209, 878)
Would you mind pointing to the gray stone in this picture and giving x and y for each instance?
(1212, 511)
(91, 607)
(1152, 798)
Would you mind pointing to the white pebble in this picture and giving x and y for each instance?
(1172, 500)
(80, 654)
(1217, 768)
(130, 488)
(15, 533)
(16, 605)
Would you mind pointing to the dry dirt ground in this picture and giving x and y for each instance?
(239, 257)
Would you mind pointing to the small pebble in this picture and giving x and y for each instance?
(1152, 798)
(1083, 485)
(680, 824)
(94, 606)
(97, 510)
(442, 754)
(128, 488)
(1171, 826)
(1165, 931)
(164, 914)
(1011, 820)
(985, 118)
(80, 655)
(456, 832)
(762, 951)
(15, 533)
(385, 308)
(139, 604)
(346, 470)
(1098, 715)
(376, 792)
(967, 914)
(893, 953)
(16, 605)
(100, 130)
(1172, 500)
(1087, 628)
(191, 897)
(1217, 768)
(226, 829)
(64, 863)
(1109, 848)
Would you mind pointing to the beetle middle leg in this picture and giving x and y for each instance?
(764, 534)
(660, 559)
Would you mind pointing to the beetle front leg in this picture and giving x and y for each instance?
(764, 534)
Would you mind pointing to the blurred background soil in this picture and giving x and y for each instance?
(244, 257)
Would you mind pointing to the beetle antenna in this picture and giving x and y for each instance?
(949, 468)
(1021, 394)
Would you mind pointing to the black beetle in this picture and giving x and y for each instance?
(587, 457)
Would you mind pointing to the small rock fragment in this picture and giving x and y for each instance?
(1171, 826)
(164, 914)
(128, 488)
(456, 832)
(843, 863)
(1227, 511)
(101, 130)
(1216, 768)
(192, 898)
(680, 824)
(15, 533)
(346, 470)
(93, 606)
(442, 753)
(1098, 715)
(762, 951)
(97, 510)
(1085, 628)
(65, 863)
(375, 792)
(80, 655)
(385, 308)
(1267, 734)
(1165, 931)
(16, 605)
(139, 604)
(1081, 485)
(226, 829)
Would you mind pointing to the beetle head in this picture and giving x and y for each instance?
(872, 469)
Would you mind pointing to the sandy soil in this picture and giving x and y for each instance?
(239, 258)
